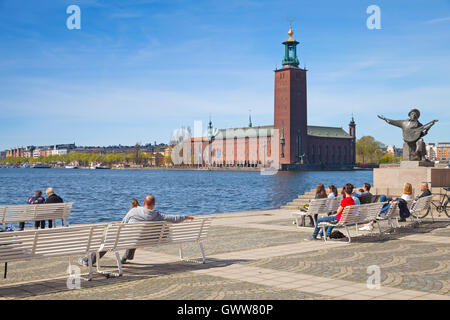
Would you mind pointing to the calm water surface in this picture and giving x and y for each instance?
(105, 195)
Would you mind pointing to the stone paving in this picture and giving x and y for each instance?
(260, 255)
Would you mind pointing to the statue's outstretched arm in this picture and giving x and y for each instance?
(397, 123)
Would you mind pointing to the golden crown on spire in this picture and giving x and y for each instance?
(290, 32)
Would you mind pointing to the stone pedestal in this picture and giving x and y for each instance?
(416, 164)
(395, 177)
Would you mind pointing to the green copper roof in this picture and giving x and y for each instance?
(328, 132)
(244, 132)
(315, 131)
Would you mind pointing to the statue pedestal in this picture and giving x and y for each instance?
(416, 164)
(410, 171)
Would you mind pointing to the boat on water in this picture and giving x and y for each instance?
(71, 167)
(102, 167)
(98, 167)
(41, 166)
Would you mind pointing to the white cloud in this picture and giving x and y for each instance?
(438, 20)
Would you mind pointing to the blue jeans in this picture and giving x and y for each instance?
(386, 207)
(329, 228)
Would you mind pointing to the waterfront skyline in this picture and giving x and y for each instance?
(137, 71)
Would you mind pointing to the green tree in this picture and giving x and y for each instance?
(368, 150)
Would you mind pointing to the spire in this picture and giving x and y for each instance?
(290, 51)
(352, 121)
(249, 118)
(209, 134)
(352, 127)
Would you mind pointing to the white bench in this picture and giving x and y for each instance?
(120, 236)
(421, 204)
(46, 243)
(354, 215)
(35, 212)
(82, 240)
(392, 214)
(317, 206)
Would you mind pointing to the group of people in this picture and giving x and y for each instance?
(332, 192)
(136, 214)
(407, 195)
(37, 198)
(350, 197)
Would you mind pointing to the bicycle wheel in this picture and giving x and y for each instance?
(422, 214)
(445, 207)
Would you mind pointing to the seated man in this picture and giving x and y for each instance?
(425, 191)
(346, 201)
(136, 215)
(366, 191)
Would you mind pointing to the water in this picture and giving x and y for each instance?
(105, 195)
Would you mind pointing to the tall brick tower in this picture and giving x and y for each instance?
(290, 105)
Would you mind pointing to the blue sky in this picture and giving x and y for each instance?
(139, 69)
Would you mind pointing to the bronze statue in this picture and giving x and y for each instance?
(413, 131)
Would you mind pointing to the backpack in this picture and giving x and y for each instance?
(337, 235)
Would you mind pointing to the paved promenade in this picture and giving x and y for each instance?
(259, 255)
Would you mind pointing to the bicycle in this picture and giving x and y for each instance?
(441, 205)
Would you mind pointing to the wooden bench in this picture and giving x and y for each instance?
(354, 215)
(82, 240)
(35, 212)
(317, 206)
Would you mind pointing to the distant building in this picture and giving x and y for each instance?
(431, 151)
(15, 153)
(299, 143)
(397, 152)
(443, 151)
(2, 155)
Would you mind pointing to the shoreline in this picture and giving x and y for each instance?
(221, 169)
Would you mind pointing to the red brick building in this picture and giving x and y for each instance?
(290, 138)
(443, 151)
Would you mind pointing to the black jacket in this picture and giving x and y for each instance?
(426, 193)
(54, 199)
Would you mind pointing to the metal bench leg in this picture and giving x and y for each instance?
(90, 266)
(202, 251)
(379, 228)
(348, 234)
(119, 263)
(324, 230)
(181, 251)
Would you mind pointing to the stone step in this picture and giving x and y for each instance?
(290, 207)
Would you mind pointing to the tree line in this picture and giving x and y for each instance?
(86, 159)
(369, 150)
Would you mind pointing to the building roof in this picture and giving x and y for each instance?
(327, 132)
(251, 132)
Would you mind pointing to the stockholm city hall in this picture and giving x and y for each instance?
(300, 144)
